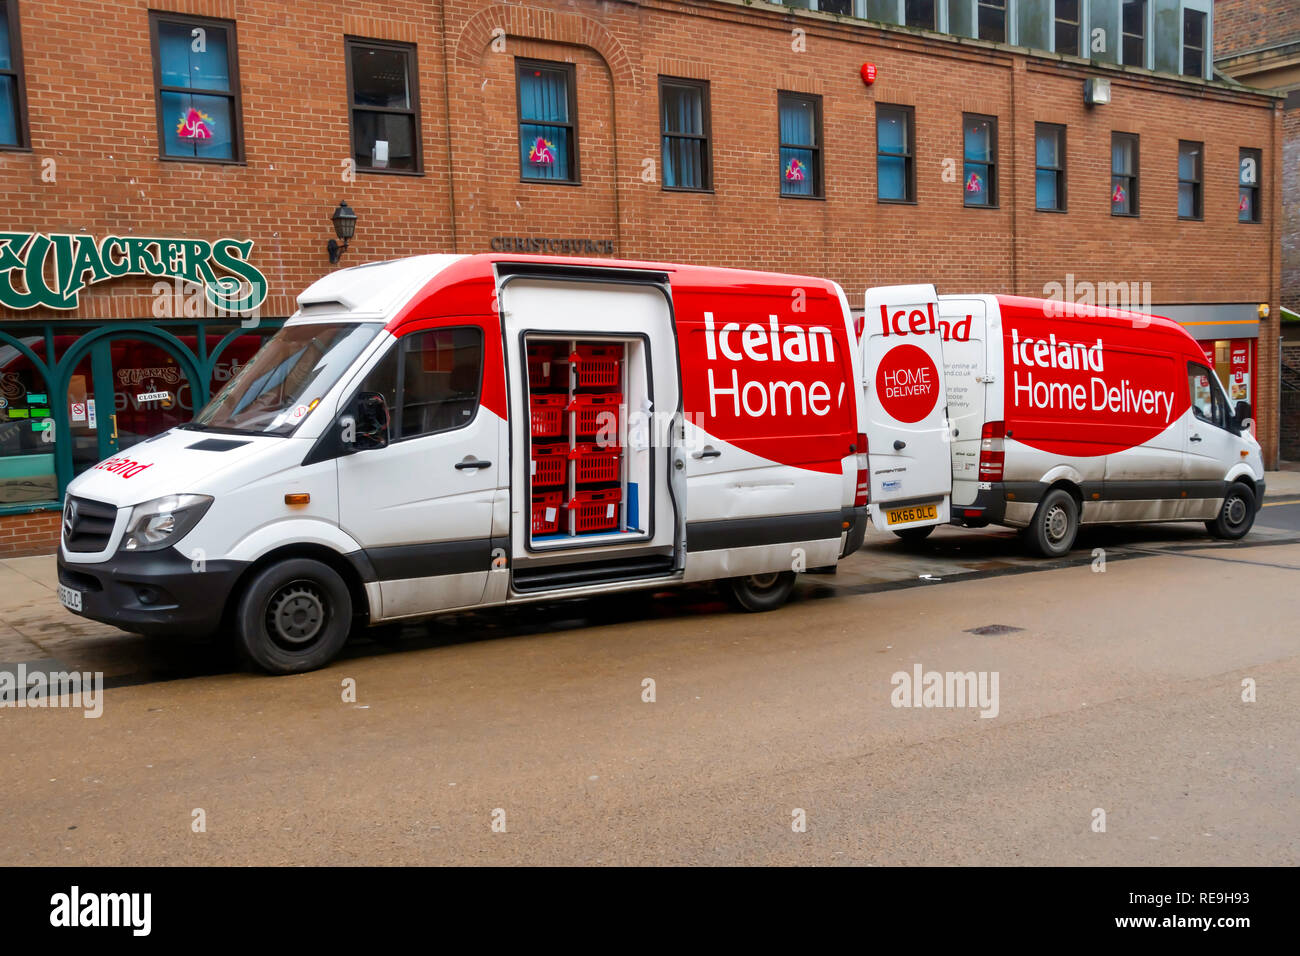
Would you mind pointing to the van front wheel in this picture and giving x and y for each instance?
(759, 592)
(1236, 517)
(1055, 525)
(293, 616)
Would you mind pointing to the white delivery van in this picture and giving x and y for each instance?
(1063, 414)
(448, 432)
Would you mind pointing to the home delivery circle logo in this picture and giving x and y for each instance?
(907, 382)
(51, 270)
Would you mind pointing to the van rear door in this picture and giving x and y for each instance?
(907, 421)
(967, 379)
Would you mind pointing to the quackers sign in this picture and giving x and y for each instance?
(51, 270)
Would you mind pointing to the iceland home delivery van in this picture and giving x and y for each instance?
(449, 432)
(1065, 414)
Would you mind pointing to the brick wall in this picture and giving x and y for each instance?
(1244, 25)
(35, 533)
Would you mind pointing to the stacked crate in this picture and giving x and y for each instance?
(548, 393)
(597, 456)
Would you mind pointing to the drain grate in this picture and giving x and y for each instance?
(992, 629)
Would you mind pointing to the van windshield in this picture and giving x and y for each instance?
(286, 379)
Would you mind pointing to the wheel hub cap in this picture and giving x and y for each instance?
(1057, 523)
(296, 614)
(1235, 511)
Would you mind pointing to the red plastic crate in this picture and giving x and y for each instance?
(598, 365)
(541, 366)
(597, 414)
(595, 510)
(593, 463)
(548, 464)
(547, 415)
(546, 511)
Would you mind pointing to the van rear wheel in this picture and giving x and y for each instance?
(759, 592)
(293, 616)
(1237, 516)
(1055, 525)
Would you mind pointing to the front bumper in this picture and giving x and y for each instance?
(154, 592)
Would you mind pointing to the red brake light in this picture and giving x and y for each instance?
(992, 455)
(862, 491)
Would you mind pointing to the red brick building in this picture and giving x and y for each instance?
(726, 132)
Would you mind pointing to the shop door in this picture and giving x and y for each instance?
(124, 390)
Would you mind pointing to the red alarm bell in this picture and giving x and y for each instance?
(868, 73)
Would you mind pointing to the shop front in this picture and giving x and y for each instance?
(75, 390)
(72, 395)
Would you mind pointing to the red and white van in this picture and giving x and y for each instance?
(446, 432)
(1064, 414)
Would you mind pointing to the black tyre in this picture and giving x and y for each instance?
(1236, 517)
(915, 535)
(759, 592)
(1055, 525)
(293, 616)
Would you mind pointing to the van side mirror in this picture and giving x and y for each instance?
(365, 426)
(1243, 414)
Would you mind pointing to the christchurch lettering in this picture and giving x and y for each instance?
(770, 343)
(51, 271)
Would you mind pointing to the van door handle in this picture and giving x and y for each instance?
(899, 445)
(472, 463)
(1195, 438)
(707, 452)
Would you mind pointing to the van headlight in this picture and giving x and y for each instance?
(160, 523)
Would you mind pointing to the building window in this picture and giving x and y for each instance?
(842, 7)
(1049, 167)
(385, 103)
(920, 13)
(1193, 43)
(1133, 32)
(13, 92)
(801, 144)
(1190, 157)
(1123, 174)
(981, 155)
(895, 161)
(548, 131)
(1248, 182)
(993, 20)
(1067, 27)
(684, 119)
(196, 76)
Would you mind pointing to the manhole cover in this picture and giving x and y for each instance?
(991, 629)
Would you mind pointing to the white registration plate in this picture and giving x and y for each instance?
(70, 598)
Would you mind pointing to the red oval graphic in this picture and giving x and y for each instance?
(907, 383)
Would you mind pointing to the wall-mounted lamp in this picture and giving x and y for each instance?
(345, 227)
(1096, 91)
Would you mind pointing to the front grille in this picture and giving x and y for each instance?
(87, 525)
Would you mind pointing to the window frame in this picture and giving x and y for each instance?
(571, 89)
(16, 70)
(351, 41)
(1218, 400)
(1145, 35)
(398, 353)
(1005, 7)
(157, 17)
(1062, 192)
(1199, 182)
(1134, 178)
(1182, 41)
(995, 194)
(1258, 187)
(817, 149)
(935, 16)
(1079, 32)
(909, 157)
(706, 138)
